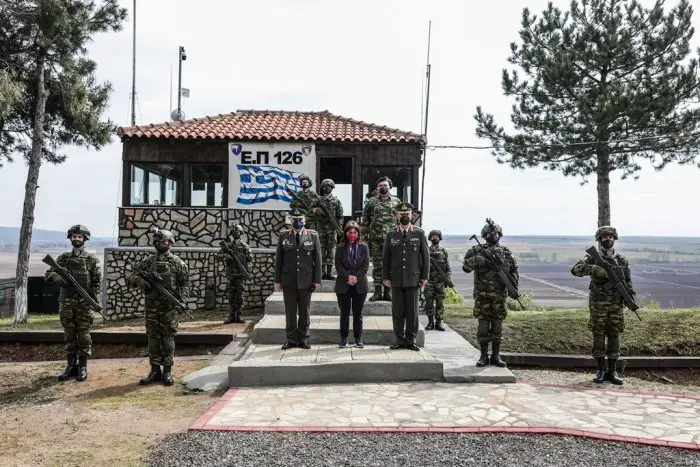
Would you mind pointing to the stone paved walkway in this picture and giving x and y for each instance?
(661, 419)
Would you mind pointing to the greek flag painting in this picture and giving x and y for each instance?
(260, 183)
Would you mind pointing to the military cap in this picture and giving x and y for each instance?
(404, 207)
(79, 229)
(298, 212)
(384, 179)
(605, 230)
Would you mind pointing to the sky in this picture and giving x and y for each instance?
(363, 60)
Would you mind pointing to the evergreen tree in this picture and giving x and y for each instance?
(608, 84)
(43, 52)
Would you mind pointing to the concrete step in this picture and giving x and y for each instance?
(377, 330)
(329, 286)
(269, 365)
(326, 303)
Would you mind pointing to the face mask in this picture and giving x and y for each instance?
(492, 239)
(405, 220)
(77, 243)
(352, 236)
(304, 184)
(383, 191)
(236, 235)
(298, 225)
(327, 190)
(162, 247)
(435, 241)
(607, 244)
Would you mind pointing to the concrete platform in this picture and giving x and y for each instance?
(377, 330)
(268, 365)
(329, 286)
(326, 303)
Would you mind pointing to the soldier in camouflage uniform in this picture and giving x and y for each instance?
(327, 233)
(435, 288)
(490, 294)
(378, 219)
(76, 317)
(307, 196)
(236, 281)
(605, 304)
(161, 317)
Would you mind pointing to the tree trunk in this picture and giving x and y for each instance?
(603, 185)
(25, 235)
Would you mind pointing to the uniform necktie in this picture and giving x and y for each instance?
(297, 238)
(404, 235)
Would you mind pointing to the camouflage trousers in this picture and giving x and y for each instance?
(376, 245)
(76, 320)
(328, 241)
(606, 319)
(490, 307)
(161, 327)
(489, 330)
(234, 289)
(434, 291)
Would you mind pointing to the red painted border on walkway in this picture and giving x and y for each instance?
(201, 424)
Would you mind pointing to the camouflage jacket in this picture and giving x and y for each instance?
(85, 268)
(487, 284)
(439, 255)
(602, 288)
(379, 217)
(242, 252)
(319, 218)
(307, 196)
(173, 270)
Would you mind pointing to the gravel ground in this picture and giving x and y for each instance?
(385, 450)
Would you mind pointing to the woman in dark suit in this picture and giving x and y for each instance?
(351, 264)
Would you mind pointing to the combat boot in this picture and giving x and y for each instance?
(377, 293)
(431, 324)
(484, 358)
(329, 274)
(611, 375)
(495, 357)
(167, 376)
(438, 325)
(153, 376)
(231, 318)
(82, 368)
(70, 371)
(600, 373)
(387, 294)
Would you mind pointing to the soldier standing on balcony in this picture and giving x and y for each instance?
(306, 199)
(379, 219)
(76, 317)
(236, 279)
(327, 233)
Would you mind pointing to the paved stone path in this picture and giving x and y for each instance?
(649, 418)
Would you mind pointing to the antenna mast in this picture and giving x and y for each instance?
(133, 74)
(425, 124)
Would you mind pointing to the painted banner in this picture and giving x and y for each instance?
(262, 175)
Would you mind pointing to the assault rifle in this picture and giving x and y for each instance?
(68, 277)
(323, 207)
(155, 280)
(229, 252)
(441, 273)
(496, 264)
(617, 279)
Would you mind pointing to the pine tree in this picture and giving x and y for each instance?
(43, 52)
(608, 85)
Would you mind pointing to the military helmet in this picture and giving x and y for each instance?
(306, 177)
(237, 228)
(437, 233)
(327, 182)
(491, 226)
(605, 230)
(160, 235)
(79, 229)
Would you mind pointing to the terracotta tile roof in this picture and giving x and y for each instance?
(272, 125)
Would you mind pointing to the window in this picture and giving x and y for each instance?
(400, 178)
(156, 184)
(207, 184)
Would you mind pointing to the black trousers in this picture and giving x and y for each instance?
(297, 300)
(355, 301)
(404, 311)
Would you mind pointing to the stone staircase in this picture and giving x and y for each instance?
(264, 363)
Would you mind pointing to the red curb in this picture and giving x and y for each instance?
(200, 423)
(611, 390)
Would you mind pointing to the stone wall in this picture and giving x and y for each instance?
(7, 297)
(206, 273)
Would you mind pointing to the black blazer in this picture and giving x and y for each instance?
(342, 267)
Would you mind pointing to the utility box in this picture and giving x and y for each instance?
(42, 296)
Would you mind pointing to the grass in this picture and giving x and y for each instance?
(34, 322)
(672, 332)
